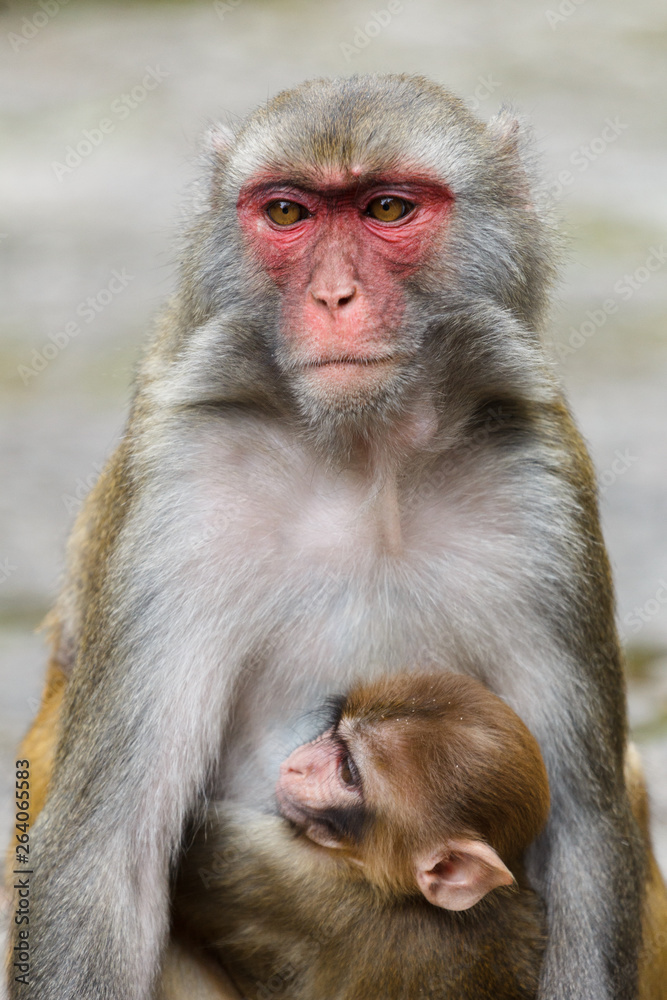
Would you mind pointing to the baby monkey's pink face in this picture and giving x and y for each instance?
(320, 790)
(361, 776)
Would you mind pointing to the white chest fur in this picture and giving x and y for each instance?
(283, 577)
(305, 570)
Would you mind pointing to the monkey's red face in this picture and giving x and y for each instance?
(320, 790)
(340, 255)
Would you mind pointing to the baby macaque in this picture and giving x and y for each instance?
(394, 869)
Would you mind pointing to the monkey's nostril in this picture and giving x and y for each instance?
(332, 299)
(289, 769)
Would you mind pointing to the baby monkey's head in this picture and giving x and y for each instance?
(429, 781)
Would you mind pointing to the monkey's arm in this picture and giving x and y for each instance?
(141, 721)
(653, 955)
(185, 972)
(589, 865)
(653, 950)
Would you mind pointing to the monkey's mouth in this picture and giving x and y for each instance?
(339, 381)
(349, 373)
(317, 828)
(288, 810)
(350, 363)
(296, 817)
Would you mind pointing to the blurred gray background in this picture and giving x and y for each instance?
(590, 75)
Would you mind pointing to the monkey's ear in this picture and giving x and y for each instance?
(506, 130)
(460, 874)
(509, 136)
(217, 144)
(218, 140)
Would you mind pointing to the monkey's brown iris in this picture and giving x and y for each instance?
(388, 209)
(285, 213)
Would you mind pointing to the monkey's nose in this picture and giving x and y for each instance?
(334, 297)
(291, 768)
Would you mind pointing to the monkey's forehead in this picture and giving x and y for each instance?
(364, 126)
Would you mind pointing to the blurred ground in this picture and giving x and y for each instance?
(591, 76)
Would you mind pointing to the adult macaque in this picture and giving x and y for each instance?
(346, 446)
(423, 796)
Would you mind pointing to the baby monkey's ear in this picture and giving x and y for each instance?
(461, 873)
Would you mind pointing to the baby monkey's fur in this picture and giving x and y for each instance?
(442, 758)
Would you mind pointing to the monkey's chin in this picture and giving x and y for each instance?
(346, 374)
(347, 386)
(345, 405)
(307, 824)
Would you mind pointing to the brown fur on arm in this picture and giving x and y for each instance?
(653, 954)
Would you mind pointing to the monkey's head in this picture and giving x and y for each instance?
(430, 782)
(368, 231)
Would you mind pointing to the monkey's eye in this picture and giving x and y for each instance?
(349, 774)
(286, 213)
(388, 208)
